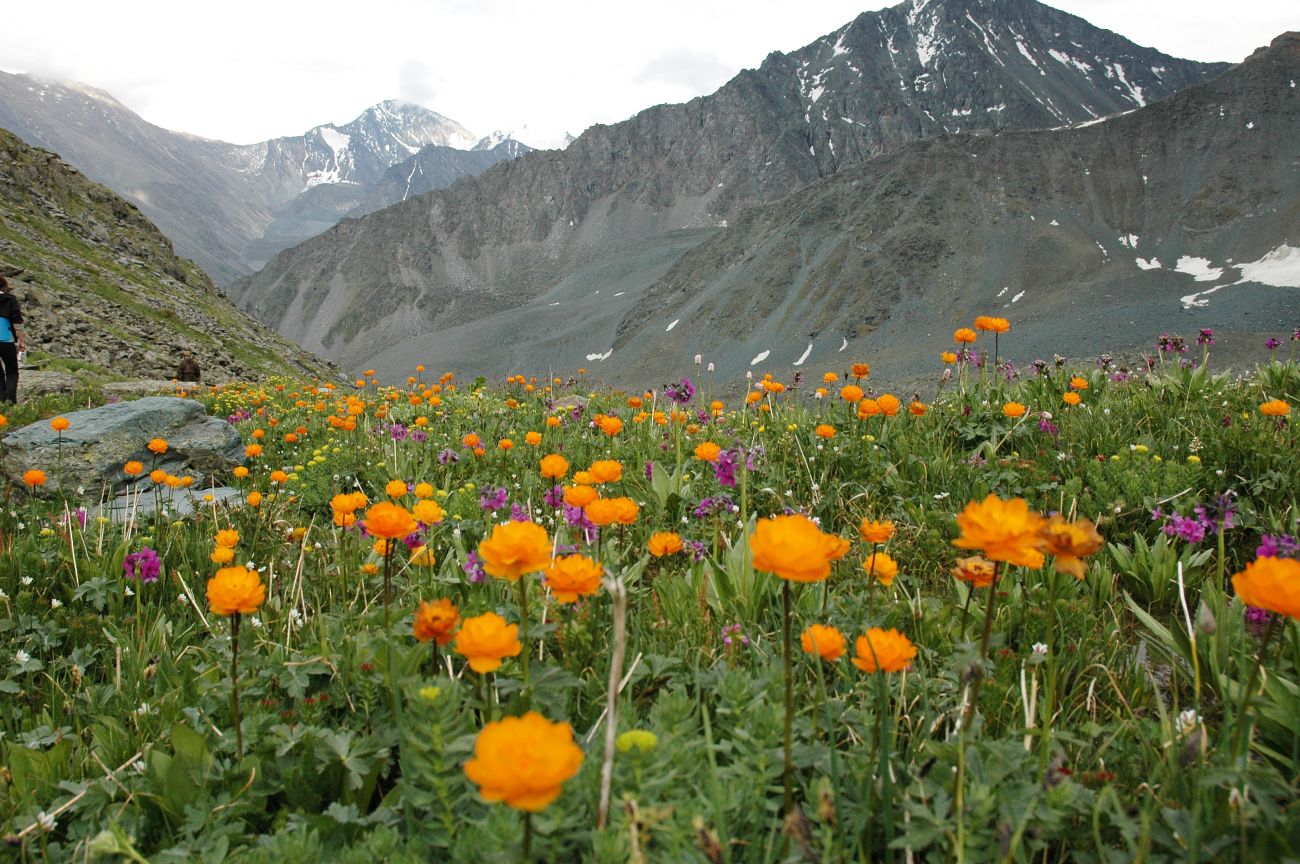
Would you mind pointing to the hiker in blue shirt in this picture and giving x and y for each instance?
(12, 342)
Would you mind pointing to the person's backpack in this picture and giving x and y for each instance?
(6, 330)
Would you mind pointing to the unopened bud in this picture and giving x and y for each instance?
(1206, 624)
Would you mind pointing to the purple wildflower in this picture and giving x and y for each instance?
(143, 565)
(1278, 546)
(724, 468)
(518, 513)
(1273, 343)
(681, 393)
(1206, 337)
(447, 456)
(554, 496)
(473, 568)
(1256, 621)
(1190, 530)
(493, 499)
(397, 432)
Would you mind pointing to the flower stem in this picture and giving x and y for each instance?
(528, 838)
(523, 626)
(984, 644)
(1243, 727)
(234, 685)
(789, 699)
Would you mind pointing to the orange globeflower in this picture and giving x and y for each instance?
(883, 651)
(58, 424)
(824, 643)
(252, 451)
(882, 566)
(861, 370)
(505, 444)
(888, 403)
(612, 511)
(427, 512)
(235, 589)
(395, 489)
(1078, 383)
(1068, 542)
(1071, 398)
(794, 548)
(579, 496)
(471, 440)
(157, 446)
(254, 499)
(918, 408)
(663, 543)
(1272, 584)
(423, 490)
(583, 478)
(948, 357)
(532, 439)
(485, 640)
(574, 576)
(222, 555)
(610, 425)
(524, 761)
(34, 477)
(553, 421)
(1275, 408)
(278, 476)
(876, 532)
(1005, 530)
(963, 335)
(390, 521)
(990, 324)
(606, 471)
(132, 468)
(514, 549)
(227, 538)
(868, 408)
(825, 430)
(975, 570)
(707, 451)
(158, 475)
(851, 393)
(554, 466)
(422, 556)
(1013, 410)
(435, 621)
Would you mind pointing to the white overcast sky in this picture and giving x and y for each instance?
(245, 71)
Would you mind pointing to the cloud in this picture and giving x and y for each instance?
(414, 83)
(679, 66)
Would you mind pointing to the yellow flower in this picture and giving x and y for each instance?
(435, 621)
(524, 761)
(882, 566)
(574, 576)
(794, 548)
(422, 556)
(1272, 584)
(514, 549)
(1068, 542)
(636, 739)
(427, 512)
(875, 532)
(390, 521)
(485, 640)
(235, 589)
(825, 643)
(1005, 530)
(883, 651)
(663, 543)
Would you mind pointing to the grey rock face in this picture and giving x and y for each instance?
(140, 502)
(922, 69)
(99, 441)
(37, 383)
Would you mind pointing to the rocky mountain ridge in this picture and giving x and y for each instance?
(230, 207)
(1179, 215)
(521, 229)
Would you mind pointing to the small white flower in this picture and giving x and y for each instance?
(26, 580)
(1106, 411)
(22, 656)
(710, 367)
(1061, 457)
(47, 822)
(129, 592)
(1188, 721)
(142, 709)
(256, 622)
(3, 595)
(941, 495)
(182, 598)
(56, 603)
(139, 766)
(1040, 649)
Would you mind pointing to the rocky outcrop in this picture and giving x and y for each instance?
(90, 453)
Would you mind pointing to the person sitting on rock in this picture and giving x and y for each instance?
(188, 370)
(12, 342)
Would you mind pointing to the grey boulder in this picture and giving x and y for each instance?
(99, 441)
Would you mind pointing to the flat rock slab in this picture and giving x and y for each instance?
(99, 441)
(140, 502)
(34, 382)
(146, 387)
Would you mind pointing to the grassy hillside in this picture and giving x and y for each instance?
(102, 290)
